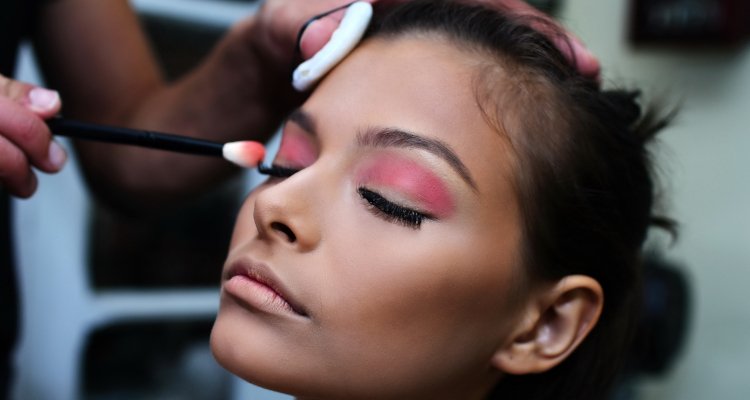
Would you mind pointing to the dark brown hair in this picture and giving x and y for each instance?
(583, 178)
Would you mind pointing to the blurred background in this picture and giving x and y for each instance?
(121, 309)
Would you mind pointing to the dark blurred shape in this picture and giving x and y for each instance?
(8, 296)
(665, 318)
(548, 6)
(662, 328)
(179, 44)
(183, 246)
(689, 22)
(147, 360)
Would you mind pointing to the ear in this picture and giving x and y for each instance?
(556, 321)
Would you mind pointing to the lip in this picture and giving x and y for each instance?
(255, 286)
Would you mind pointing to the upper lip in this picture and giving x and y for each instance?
(261, 273)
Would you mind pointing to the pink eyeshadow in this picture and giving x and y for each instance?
(296, 150)
(416, 182)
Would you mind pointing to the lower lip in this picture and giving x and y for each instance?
(257, 295)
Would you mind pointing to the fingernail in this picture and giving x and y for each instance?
(42, 99)
(56, 155)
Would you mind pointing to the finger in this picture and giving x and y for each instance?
(319, 30)
(317, 34)
(16, 175)
(43, 102)
(569, 45)
(30, 135)
(352, 27)
(587, 64)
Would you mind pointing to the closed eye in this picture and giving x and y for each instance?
(392, 212)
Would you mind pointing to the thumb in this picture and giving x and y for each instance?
(43, 102)
(319, 29)
(317, 34)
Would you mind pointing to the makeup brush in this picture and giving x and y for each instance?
(246, 154)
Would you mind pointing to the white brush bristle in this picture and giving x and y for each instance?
(247, 154)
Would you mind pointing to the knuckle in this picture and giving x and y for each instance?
(30, 131)
(9, 87)
(12, 159)
(14, 89)
(17, 90)
(15, 172)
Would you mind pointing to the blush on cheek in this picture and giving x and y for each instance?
(297, 150)
(413, 180)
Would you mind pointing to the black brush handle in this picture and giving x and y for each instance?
(112, 134)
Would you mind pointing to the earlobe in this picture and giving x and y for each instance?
(556, 322)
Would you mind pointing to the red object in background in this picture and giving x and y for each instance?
(690, 21)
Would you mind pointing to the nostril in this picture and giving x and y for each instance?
(282, 228)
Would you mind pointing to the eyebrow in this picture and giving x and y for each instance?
(303, 120)
(393, 137)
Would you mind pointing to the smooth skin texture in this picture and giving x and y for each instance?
(74, 44)
(372, 307)
(24, 138)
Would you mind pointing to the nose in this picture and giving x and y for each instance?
(285, 215)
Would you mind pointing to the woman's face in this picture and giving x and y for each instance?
(387, 265)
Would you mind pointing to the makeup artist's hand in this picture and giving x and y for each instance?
(25, 141)
(280, 22)
(571, 46)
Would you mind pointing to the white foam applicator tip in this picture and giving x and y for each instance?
(350, 31)
(246, 154)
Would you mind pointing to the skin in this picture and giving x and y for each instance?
(348, 298)
(125, 87)
(384, 310)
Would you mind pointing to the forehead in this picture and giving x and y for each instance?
(425, 77)
(422, 83)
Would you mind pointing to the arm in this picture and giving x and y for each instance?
(96, 54)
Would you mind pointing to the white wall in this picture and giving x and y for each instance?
(706, 157)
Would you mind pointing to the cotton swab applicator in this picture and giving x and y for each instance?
(345, 38)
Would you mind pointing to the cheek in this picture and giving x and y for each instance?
(436, 285)
(397, 298)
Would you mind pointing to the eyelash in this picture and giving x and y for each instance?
(392, 212)
(379, 205)
(277, 171)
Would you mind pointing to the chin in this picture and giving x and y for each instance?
(255, 354)
(246, 362)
